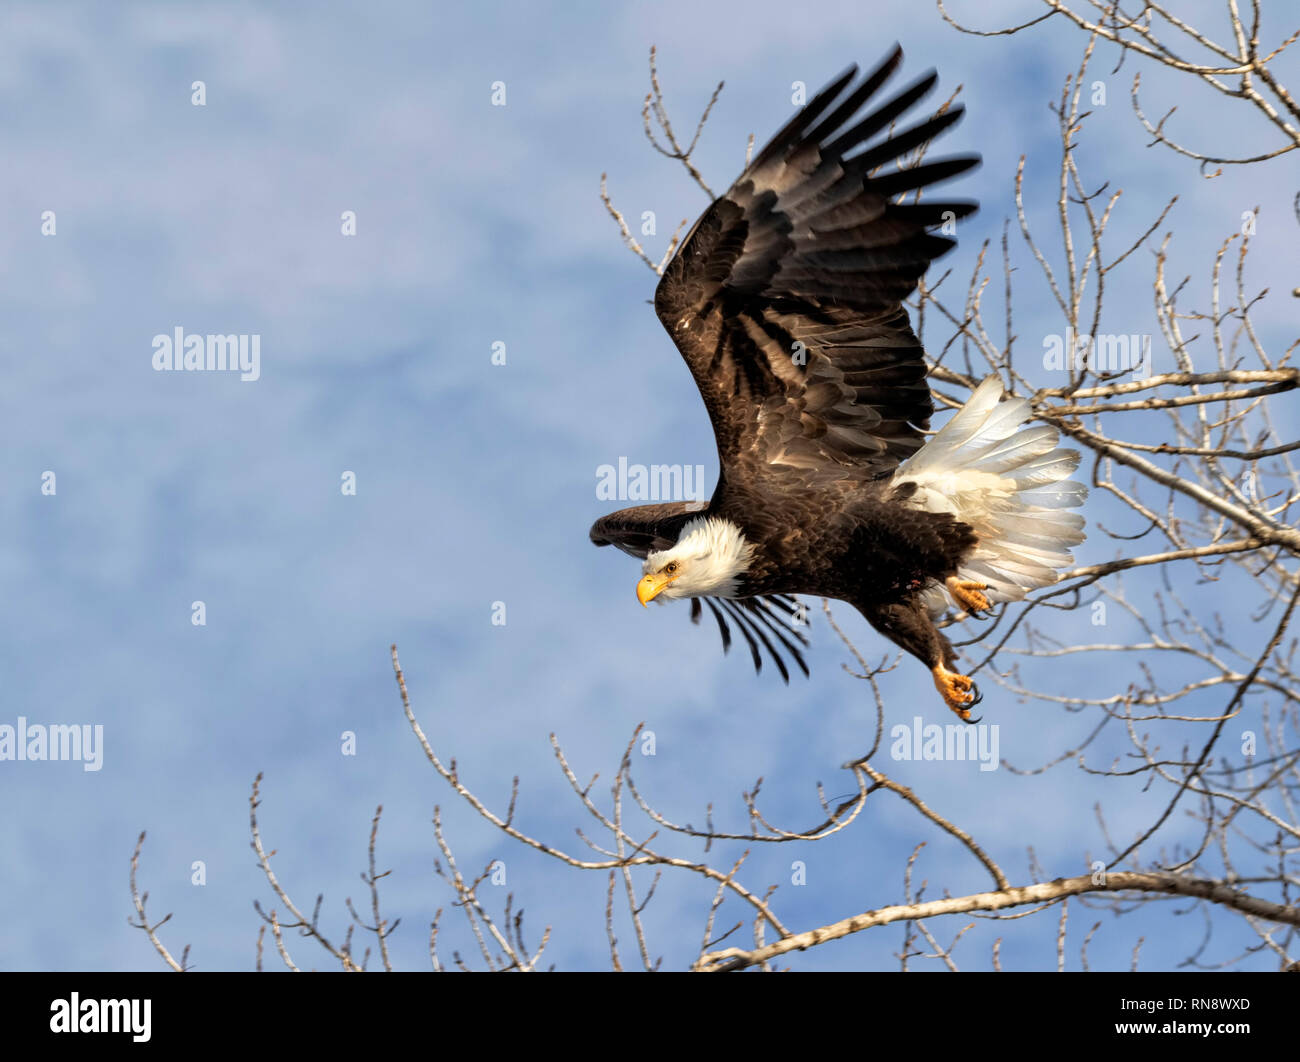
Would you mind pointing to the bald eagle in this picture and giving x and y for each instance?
(785, 299)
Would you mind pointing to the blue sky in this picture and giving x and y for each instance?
(475, 483)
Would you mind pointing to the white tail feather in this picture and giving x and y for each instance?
(1012, 486)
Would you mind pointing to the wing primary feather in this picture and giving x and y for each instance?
(788, 607)
(749, 638)
(811, 111)
(915, 177)
(881, 117)
(723, 629)
(747, 624)
(858, 96)
(901, 143)
(761, 611)
(781, 613)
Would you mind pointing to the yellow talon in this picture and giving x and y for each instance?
(967, 594)
(959, 692)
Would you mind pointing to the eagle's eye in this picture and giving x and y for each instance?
(671, 568)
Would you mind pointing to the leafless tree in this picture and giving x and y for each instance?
(1204, 704)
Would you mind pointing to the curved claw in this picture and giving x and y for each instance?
(959, 692)
(970, 596)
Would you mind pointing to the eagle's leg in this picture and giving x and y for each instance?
(907, 625)
(968, 594)
(959, 692)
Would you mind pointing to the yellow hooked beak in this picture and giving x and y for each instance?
(651, 586)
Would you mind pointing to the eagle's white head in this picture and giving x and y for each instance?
(710, 554)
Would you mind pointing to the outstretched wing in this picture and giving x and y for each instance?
(643, 529)
(786, 297)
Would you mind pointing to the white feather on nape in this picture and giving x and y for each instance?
(714, 554)
(1011, 486)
